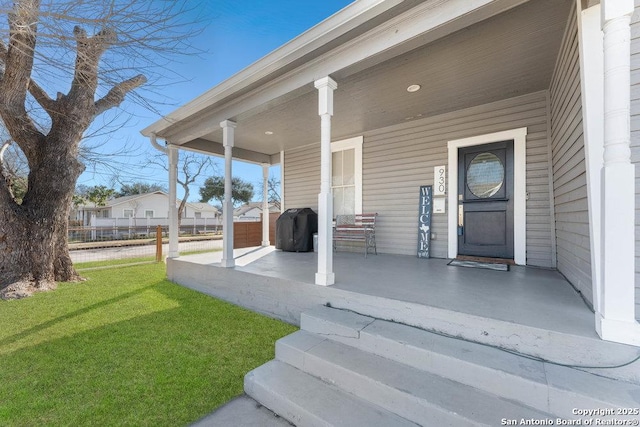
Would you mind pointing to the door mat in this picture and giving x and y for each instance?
(508, 261)
(477, 264)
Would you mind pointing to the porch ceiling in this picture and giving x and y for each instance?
(507, 55)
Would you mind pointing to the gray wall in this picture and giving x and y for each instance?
(397, 160)
(302, 177)
(569, 171)
(635, 132)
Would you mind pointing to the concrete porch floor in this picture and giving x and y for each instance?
(526, 310)
(536, 297)
(529, 311)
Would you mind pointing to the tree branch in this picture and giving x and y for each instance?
(36, 91)
(6, 197)
(23, 19)
(42, 97)
(3, 53)
(89, 50)
(116, 95)
(17, 59)
(3, 58)
(201, 166)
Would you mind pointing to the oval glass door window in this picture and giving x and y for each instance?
(485, 175)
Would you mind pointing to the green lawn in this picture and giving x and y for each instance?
(88, 265)
(126, 347)
(80, 266)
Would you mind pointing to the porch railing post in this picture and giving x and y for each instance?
(325, 275)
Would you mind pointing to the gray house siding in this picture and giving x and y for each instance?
(569, 171)
(635, 133)
(397, 160)
(302, 177)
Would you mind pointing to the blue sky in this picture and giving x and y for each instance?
(236, 34)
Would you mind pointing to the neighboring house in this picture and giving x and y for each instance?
(252, 211)
(140, 206)
(200, 210)
(516, 112)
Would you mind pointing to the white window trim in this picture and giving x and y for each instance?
(519, 137)
(356, 144)
(282, 182)
(153, 213)
(124, 213)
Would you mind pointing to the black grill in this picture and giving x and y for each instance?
(295, 228)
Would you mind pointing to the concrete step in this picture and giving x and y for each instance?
(570, 345)
(547, 387)
(307, 401)
(419, 396)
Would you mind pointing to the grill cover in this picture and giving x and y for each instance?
(295, 228)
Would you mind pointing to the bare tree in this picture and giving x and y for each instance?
(89, 54)
(273, 191)
(190, 167)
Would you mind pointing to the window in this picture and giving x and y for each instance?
(127, 213)
(346, 176)
(148, 214)
(105, 214)
(485, 175)
(198, 215)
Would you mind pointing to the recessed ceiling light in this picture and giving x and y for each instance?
(413, 88)
(268, 132)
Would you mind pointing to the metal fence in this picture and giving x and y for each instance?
(89, 234)
(146, 239)
(138, 243)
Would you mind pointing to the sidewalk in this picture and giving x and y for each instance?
(242, 411)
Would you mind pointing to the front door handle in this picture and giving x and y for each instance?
(460, 219)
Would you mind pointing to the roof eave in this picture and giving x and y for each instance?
(326, 31)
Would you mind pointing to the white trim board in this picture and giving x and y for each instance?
(282, 199)
(590, 40)
(519, 137)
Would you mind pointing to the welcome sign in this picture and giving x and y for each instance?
(424, 221)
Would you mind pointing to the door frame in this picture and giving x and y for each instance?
(519, 137)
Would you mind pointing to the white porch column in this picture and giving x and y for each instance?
(325, 275)
(615, 315)
(228, 128)
(592, 78)
(265, 205)
(172, 153)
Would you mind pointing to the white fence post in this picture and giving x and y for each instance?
(93, 226)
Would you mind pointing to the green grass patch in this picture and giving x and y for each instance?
(201, 251)
(126, 347)
(129, 261)
(112, 263)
